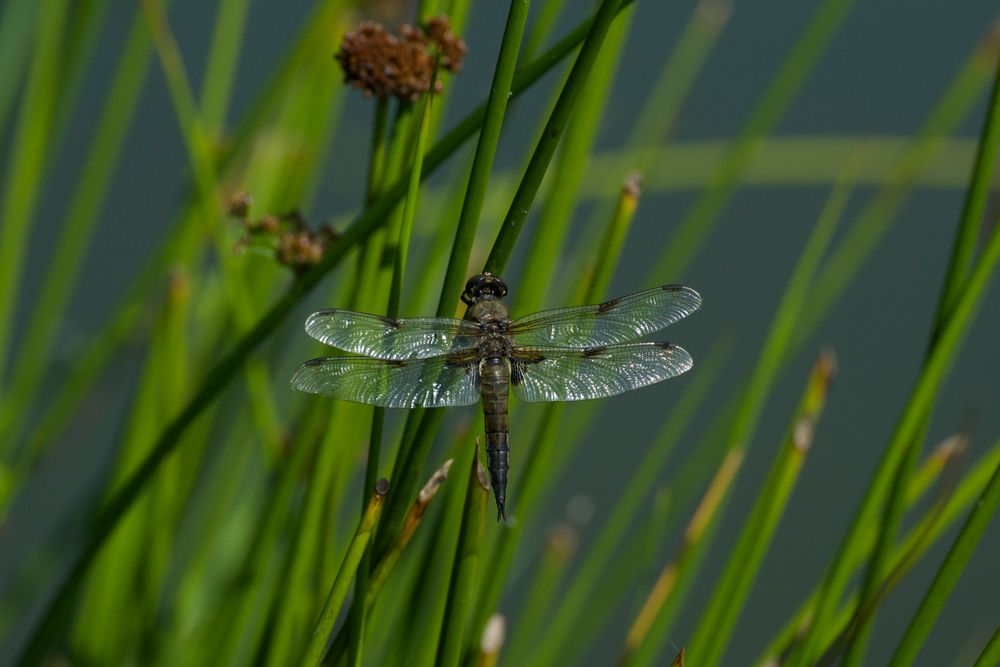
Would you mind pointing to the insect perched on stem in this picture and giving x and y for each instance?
(565, 354)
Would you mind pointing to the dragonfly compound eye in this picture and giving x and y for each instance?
(484, 283)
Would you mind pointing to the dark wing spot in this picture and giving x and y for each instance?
(610, 304)
(526, 356)
(395, 363)
(314, 362)
(595, 351)
(392, 322)
(664, 345)
(462, 358)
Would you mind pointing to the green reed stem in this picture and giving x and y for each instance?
(465, 567)
(716, 623)
(348, 568)
(991, 652)
(570, 168)
(948, 574)
(525, 196)
(482, 163)
(400, 253)
(26, 166)
(223, 59)
(541, 27)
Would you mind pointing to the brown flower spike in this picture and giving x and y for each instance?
(382, 65)
(287, 236)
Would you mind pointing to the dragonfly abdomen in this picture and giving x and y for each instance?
(494, 382)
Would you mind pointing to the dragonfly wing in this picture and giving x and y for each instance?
(567, 374)
(447, 380)
(389, 337)
(615, 321)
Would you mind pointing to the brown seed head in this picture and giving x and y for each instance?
(239, 204)
(382, 65)
(451, 46)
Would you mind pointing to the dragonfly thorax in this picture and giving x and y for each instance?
(490, 310)
(495, 344)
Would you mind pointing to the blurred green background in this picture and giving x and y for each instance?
(886, 68)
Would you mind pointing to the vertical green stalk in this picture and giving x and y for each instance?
(947, 576)
(715, 625)
(26, 167)
(348, 568)
(568, 173)
(524, 197)
(542, 26)
(482, 163)
(222, 61)
(465, 568)
(402, 249)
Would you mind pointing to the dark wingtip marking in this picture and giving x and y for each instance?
(665, 345)
(610, 304)
(314, 362)
(684, 288)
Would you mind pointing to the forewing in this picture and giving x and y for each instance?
(389, 337)
(447, 380)
(615, 321)
(566, 374)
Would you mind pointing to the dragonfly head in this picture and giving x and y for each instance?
(484, 286)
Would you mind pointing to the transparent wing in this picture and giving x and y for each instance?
(391, 338)
(615, 321)
(566, 374)
(447, 380)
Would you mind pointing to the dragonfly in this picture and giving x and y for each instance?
(564, 354)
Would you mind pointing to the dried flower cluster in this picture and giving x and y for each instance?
(287, 236)
(382, 65)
